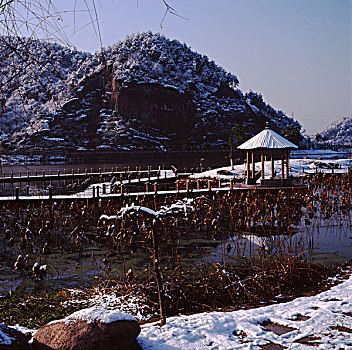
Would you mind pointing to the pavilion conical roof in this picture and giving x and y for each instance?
(268, 139)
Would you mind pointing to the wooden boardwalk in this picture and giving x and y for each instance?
(43, 177)
(152, 187)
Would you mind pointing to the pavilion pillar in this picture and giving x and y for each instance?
(253, 166)
(262, 158)
(272, 163)
(282, 164)
(287, 162)
(248, 170)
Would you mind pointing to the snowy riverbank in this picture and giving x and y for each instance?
(324, 320)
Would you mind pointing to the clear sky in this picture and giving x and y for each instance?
(297, 53)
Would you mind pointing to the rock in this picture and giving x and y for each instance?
(89, 329)
(154, 105)
(71, 105)
(12, 339)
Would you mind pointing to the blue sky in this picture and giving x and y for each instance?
(297, 53)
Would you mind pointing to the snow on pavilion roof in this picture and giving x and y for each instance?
(267, 139)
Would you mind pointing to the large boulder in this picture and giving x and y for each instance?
(11, 339)
(88, 329)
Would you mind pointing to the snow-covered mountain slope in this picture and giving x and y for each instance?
(34, 77)
(338, 133)
(145, 92)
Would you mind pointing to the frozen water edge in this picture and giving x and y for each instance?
(223, 330)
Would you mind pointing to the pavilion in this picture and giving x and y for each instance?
(267, 140)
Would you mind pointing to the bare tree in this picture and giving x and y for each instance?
(41, 18)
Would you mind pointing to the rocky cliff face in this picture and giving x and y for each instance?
(144, 93)
(153, 105)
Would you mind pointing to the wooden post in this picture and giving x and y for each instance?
(248, 172)
(253, 166)
(262, 158)
(50, 188)
(209, 185)
(282, 165)
(287, 162)
(272, 164)
(155, 188)
(231, 184)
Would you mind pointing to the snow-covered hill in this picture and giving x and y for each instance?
(145, 92)
(34, 77)
(338, 133)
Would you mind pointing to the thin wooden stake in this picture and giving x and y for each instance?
(158, 276)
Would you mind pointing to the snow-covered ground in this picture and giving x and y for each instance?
(323, 320)
(298, 167)
(327, 321)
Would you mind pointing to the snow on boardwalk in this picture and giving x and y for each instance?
(98, 187)
(242, 330)
(298, 167)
